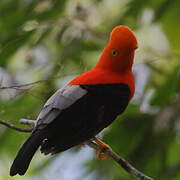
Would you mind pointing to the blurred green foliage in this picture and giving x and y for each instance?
(56, 40)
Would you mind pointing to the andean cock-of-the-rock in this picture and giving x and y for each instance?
(86, 105)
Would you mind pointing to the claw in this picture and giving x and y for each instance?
(102, 145)
(102, 156)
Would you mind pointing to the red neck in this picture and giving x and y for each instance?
(101, 76)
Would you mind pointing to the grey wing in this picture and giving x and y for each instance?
(62, 99)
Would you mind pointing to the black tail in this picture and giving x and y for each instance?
(25, 154)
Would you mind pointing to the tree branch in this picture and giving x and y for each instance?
(28, 122)
(28, 84)
(12, 126)
(123, 163)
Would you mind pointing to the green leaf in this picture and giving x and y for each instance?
(166, 92)
(11, 47)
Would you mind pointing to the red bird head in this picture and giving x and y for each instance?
(115, 62)
(118, 54)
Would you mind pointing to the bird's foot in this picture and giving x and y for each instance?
(102, 146)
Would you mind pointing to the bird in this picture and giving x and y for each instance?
(86, 105)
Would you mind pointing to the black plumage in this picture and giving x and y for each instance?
(61, 127)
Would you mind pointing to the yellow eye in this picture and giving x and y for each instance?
(114, 52)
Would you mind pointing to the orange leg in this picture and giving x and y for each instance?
(102, 146)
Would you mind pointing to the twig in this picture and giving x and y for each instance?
(123, 163)
(12, 126)
(27, 122)
(23, 85)
(28, 84)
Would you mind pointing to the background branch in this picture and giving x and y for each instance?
(12, 126)
(28, 84)
(123, 163)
